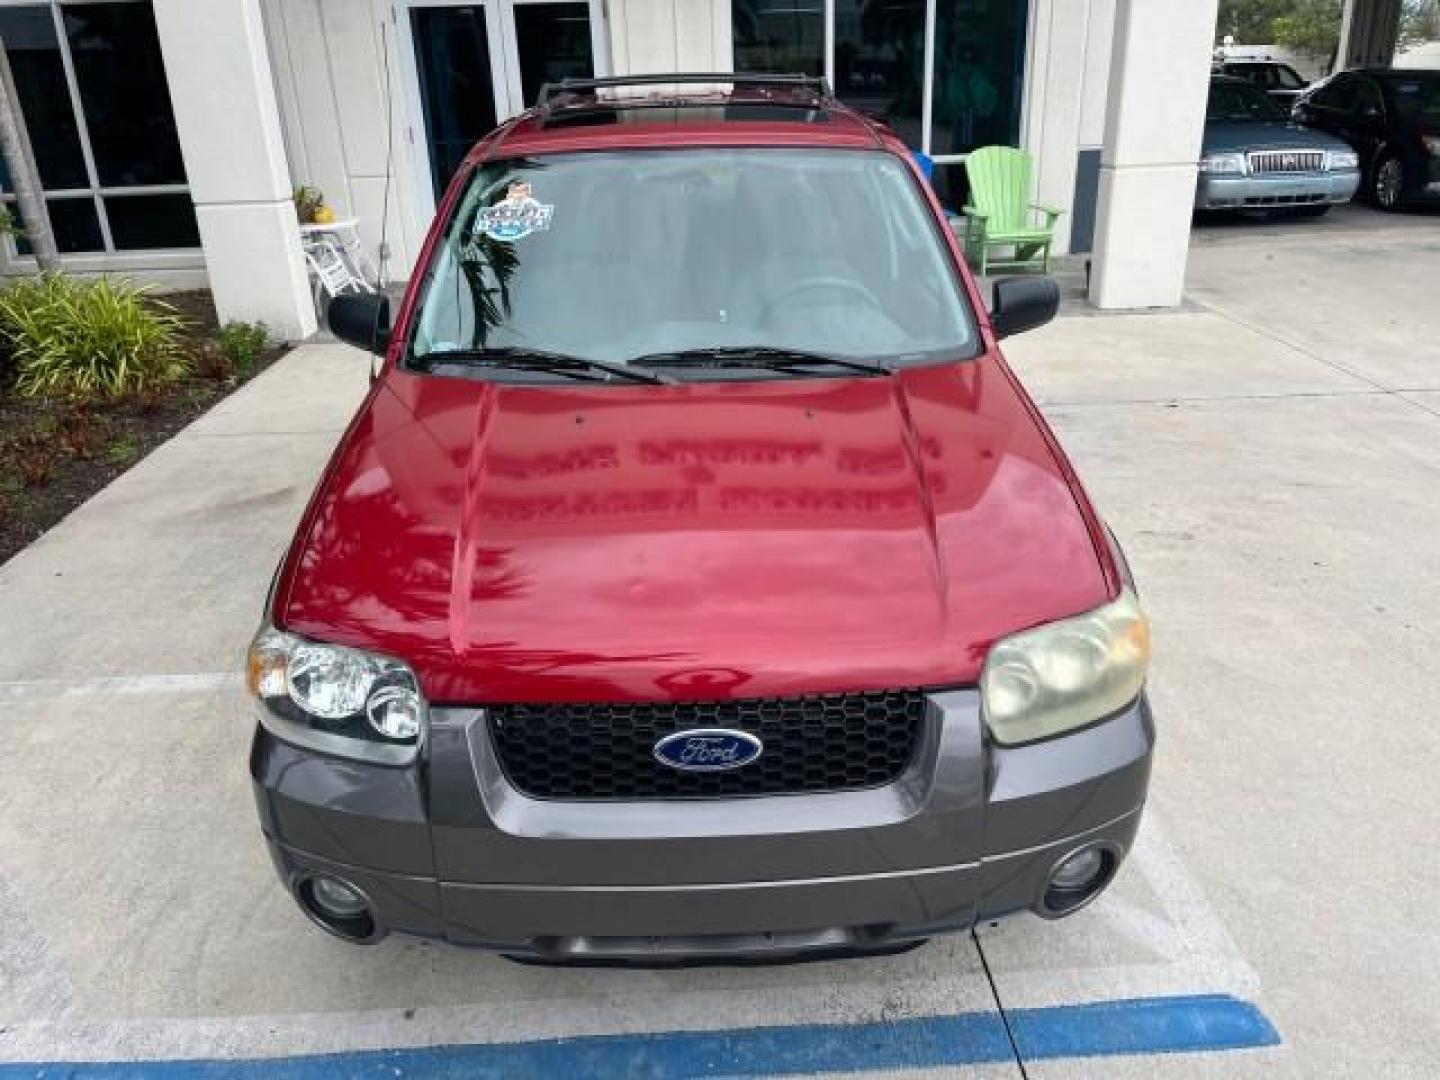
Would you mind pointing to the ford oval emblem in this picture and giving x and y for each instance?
(708, 750)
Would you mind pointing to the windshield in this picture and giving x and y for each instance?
(1418, 99)
(1240, 101)
(617, 256)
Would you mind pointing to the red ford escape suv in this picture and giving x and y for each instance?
(696, 580)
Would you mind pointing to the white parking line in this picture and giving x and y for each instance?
(30, 691)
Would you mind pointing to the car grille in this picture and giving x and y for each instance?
(1286, 161)
(830, 742)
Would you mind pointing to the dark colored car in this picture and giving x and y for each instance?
(1392, 119)
(1279, 80)
(696, 579)
(1252, 157)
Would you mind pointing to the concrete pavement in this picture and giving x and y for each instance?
(1272, 469)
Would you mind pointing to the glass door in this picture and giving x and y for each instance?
(549, 40)
(470, 66)
(460, 78)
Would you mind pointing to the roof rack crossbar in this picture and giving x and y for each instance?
(550, 91)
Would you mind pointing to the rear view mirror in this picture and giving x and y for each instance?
(1023, 303)
(362, 320)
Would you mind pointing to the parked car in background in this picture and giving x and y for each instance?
(696, 578)
(1391, 117)
(1253, 157)
(1281, 81)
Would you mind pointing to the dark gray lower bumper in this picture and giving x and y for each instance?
(449, 849)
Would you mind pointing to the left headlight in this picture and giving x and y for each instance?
(336, 699)
(1066, 674)
(1342, 159)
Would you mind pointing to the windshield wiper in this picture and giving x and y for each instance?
(755, 356)
(516, 356)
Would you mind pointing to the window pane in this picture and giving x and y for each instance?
(75, 224)
(138, 222)
(123, 90)
(979, 68)
(880, 61)
(779, 36)
(452, 51)
(29, 34)
(554, 43)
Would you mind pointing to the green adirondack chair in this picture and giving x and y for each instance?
(1000, 213)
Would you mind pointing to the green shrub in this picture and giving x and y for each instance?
(96, 338)
(242, 343)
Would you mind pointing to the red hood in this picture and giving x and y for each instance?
(703, 540)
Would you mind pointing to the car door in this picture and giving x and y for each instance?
(1328, 106)
(1363, 124)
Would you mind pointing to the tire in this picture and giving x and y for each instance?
(1387, 182)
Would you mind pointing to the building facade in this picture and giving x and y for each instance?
(170, 133)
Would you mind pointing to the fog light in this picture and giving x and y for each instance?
(1078, 870)
(1077, 879)
(337, 899)
(338, 907)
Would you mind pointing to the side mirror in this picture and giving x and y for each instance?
(1023, 303)
(362, 320)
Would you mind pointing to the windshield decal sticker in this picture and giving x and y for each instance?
(515, 216)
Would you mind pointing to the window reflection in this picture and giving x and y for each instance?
(118, 65)
(553, 41)
(979, 68)
(452, 51)
(880, 60)
(34, 52)
(786, 36)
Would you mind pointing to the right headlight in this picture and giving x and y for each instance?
(1342, 159)
(336, 699)
(1064, 675)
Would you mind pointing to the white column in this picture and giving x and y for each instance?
(230, 134)
(1155, 116)
(1053, 103)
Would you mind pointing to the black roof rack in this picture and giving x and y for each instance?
(551, 93)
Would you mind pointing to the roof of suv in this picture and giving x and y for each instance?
(693, 110)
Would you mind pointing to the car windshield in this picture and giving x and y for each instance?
(1418, 99)
(617, 256)
(1240, 101)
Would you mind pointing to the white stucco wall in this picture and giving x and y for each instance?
(1055, 67)
(670, 35)
(330, 74)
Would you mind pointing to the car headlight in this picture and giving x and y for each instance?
(1066, 674)
(339, 700)
(1342, 159)
(1222, 163)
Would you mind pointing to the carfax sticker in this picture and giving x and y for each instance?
(515, 216)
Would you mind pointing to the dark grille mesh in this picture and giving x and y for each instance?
(832, 742)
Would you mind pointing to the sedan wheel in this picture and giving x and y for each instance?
(1389, 182)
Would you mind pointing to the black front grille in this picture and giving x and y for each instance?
(830, 742)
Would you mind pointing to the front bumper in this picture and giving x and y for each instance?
(449, 849)
(1231, 191)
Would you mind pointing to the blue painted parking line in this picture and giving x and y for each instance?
(1210, 1022)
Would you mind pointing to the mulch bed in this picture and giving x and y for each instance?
(54, 455)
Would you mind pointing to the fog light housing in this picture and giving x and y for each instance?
(337, 899)
(1077, 879)
(337, 906)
